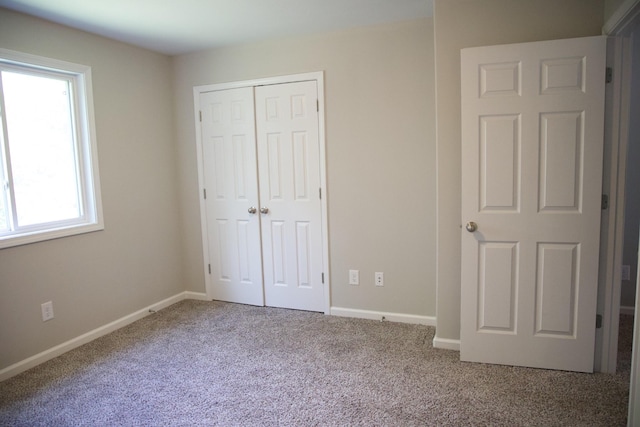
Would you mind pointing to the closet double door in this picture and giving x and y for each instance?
(262, 195)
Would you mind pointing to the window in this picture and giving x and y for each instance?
(48, 165)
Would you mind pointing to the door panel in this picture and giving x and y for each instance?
(532, 135)
(556, 288)
(229, 164)
(561, 161)
(289, 176)
(499, 141)
(497, 286)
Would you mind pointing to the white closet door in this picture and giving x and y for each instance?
(532, 143)
(231, 185)
(289, 176)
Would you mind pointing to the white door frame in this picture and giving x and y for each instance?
(634, 383)
(318, 77)
(612, 225)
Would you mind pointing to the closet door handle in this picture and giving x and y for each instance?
(252, 210)
(264, 210)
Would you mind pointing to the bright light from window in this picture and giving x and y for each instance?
(41, 143)
(48, 171)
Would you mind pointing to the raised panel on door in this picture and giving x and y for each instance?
(499, 179)
(532, 135)
(561, 144)
(497, 287)
(557, 287)
(289, 176)
(230, 180)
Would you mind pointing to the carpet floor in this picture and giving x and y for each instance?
(211, 363)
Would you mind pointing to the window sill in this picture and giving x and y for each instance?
(40, 236)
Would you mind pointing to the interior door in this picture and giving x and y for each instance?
(289, 176)
(532, 143)
(231, 185)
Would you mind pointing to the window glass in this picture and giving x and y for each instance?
(49, 185)
(42, 149)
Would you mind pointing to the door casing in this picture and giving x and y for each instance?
(318, 77)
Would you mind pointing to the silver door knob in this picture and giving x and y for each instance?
(471, 226)
(252, 210)
(264, 210)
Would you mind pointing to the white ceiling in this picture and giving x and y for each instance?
(179, 26)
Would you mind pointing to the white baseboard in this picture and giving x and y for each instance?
(446, 343)
(196, 295)
(56, 351)
(627, 310)
(382, 315)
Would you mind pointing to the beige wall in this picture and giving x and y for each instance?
(379, 92)
(96, 278)
(467, 23)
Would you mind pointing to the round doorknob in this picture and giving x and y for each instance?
(252, 210)
(264, 210)
(471, 226)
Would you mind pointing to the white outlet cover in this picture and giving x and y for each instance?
(379, 279)
(47, 311)
(354, 277)
(626, 272)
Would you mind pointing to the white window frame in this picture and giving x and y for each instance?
(91, 218)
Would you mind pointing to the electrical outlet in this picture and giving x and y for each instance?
(626, 272)
(354, 277)
(379, 278)
(47, 311)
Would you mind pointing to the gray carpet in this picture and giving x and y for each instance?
(212, 363)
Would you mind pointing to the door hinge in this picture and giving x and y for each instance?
(204, 192)
(323, 278)
(318, 105)
(320, 193)
(598, 321)
(200, 115)
(604, 204)
(609, 75)
(209, 268)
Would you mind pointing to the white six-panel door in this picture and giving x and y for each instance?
(264, 232)
(532, 143)
(231, 185)
(289, 171)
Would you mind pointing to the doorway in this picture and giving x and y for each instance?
(617, 186)
(632, 183)
(629, 272)
(261, 167)
(622, 109)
